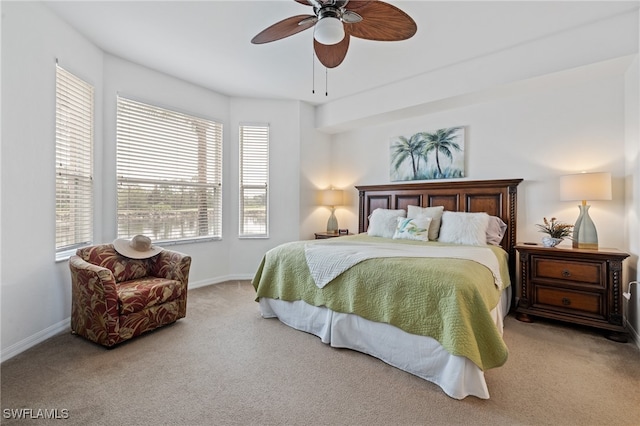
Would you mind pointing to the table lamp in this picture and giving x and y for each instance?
(332, 198)
(583, 187)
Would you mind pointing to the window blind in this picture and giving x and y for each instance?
(169, 168)
(254, 181)
(74, 161)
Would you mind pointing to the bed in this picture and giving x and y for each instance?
(431, 307)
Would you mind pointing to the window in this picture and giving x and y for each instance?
(169, 168)
(254, 180)
(74, 162)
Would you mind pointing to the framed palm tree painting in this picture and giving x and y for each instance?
(428, 155)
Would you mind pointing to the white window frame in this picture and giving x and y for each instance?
(169, 173)
(74, 163)
(253, 177)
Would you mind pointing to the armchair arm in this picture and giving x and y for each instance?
(94, 311)
(172, 265)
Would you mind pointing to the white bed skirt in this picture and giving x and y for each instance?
(419, 355)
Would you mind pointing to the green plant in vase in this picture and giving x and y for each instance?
(556, 231)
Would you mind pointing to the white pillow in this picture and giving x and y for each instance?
(383, 222)
(464, 228)
(435, 213)
(413, 229)
(495, 230)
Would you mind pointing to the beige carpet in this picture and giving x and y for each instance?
(225, 365)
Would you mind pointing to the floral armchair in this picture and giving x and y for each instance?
(115, 298)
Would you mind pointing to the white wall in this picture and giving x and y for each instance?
(35, 291)
(315, 174)
(632, 193)
(536, 134)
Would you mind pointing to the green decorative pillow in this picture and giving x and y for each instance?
(413, 229)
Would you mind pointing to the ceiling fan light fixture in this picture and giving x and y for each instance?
(335, 22)
(329, 30)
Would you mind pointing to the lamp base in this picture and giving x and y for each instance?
(585, 235)
(586, 246)
(332, 223)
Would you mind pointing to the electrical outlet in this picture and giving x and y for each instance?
(627, 295)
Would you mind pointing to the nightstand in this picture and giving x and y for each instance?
(325, 235)
(573, 285)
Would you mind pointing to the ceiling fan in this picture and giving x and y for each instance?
(336, 21)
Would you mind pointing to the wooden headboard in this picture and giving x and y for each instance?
(496, 197)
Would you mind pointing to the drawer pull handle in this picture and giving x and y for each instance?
(566, 301)
(566, 273)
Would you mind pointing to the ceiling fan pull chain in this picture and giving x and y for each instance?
(313, 71)
(326, 81)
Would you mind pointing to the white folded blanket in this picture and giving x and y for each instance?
(326, 261)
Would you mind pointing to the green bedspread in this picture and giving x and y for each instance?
(444, 298)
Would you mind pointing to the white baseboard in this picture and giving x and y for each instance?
(218, 280)
(31, 341)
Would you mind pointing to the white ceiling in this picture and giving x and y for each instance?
(208, 42)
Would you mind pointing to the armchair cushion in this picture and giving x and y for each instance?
(146, 292)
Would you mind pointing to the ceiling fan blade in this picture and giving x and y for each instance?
(284, 28)
(305, 2)
(382, 22)
(332, 55)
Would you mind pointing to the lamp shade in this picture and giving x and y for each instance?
(585, 186)
(329, 30)
(331, 197)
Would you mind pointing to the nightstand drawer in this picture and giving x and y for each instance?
(591, 303)
(567, 270)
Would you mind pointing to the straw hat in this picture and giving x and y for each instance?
(139, 247)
